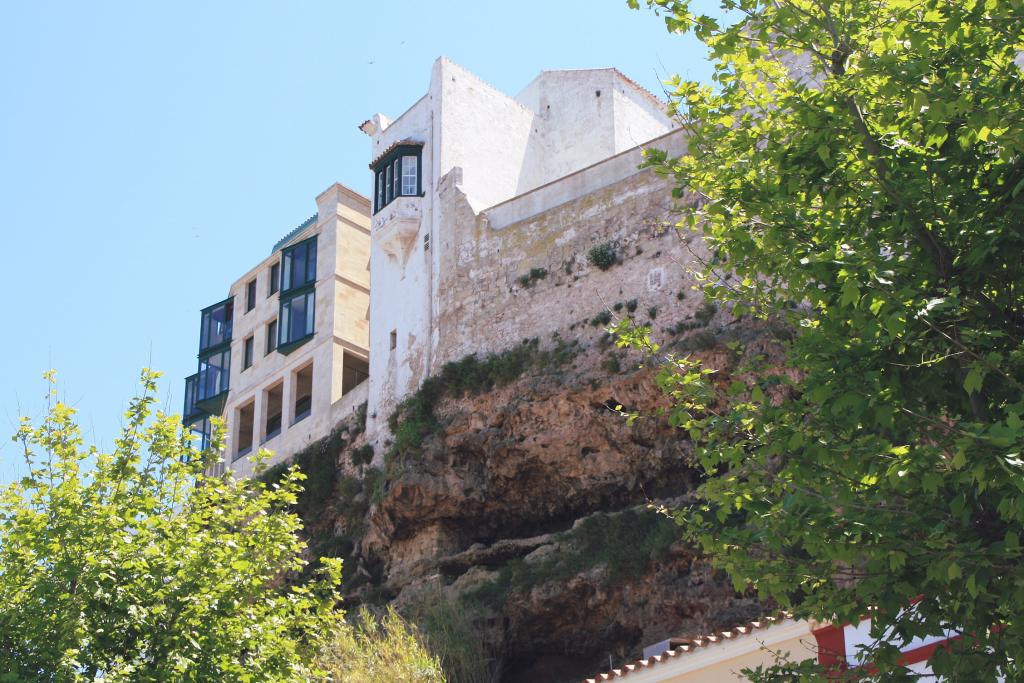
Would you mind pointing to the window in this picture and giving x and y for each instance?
(275, 278)
(299, 265)
(215, 326)
(213, 374)
(247, 353)
(354, 371)
(303, 383)
(245, 418)
(297, 315)
(273, 400)
(410, 168)
(398, 175)
(271, 335)
(394, 339)
(250, 295)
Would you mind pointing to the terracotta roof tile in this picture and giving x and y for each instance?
(692, 645)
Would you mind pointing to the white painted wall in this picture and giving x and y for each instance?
(491, 147)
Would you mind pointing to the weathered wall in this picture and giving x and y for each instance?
(583, 116)
(483, 306)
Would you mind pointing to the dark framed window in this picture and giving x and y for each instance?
(398, 175)
(275, 279)
(297, 316)
(214, 372)
(247, 353)
(216, 324)
(298, 265)
(250, 295)
(271, 336)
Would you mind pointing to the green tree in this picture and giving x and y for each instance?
(134, 566)
(858, 172)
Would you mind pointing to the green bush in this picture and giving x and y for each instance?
(602, 318)
(652, 312)
(631, 305)
(603, 256)
(362, 455)
(706, 312)
(611, 364)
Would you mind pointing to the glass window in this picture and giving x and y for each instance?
(202, 431)
(271, 335)
(250, 295)
(398, 175)
(275, 278)
(215, 327)
(297, 315)
(213, 375)
(409, 170)
(247, 353)
(299, 265)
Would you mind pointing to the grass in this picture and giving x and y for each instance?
(451, 634)
(414, 420)
(625, 543)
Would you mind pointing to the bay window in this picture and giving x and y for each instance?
(299, 265)
(398, 175)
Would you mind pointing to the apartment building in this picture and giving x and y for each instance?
(285, 355)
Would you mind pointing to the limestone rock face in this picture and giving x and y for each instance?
(529, 507)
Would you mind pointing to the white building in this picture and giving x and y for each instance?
(464, 142)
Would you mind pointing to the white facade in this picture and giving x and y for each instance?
(487, 148)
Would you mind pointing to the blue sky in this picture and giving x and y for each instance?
(151, 153)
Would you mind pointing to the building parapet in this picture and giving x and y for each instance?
(582, 182)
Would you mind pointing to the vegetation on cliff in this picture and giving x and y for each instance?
(861, 177)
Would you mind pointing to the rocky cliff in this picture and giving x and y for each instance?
(514, 504)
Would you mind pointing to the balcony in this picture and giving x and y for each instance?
(397, 225)
(216, 324)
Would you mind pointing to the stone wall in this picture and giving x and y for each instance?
(485, 305)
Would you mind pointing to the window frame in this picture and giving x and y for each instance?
(206, 320)
(275, 279)
(271, 337)
(248, 351)
(288, 257)
(389, 177)
(284, 321)
(250, 295)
